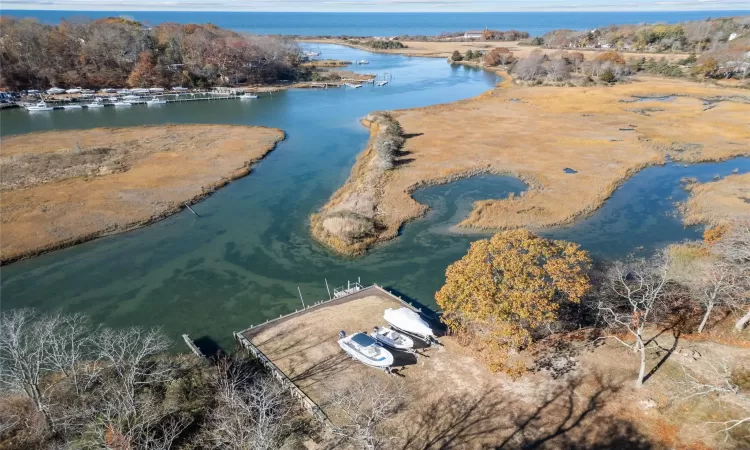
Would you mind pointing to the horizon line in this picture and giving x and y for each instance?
(380, 11)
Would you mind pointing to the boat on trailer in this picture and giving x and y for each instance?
(408, 321)
(366, 350)
(392, 338)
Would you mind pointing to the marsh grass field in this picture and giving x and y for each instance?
(61, 188)
(572, 146)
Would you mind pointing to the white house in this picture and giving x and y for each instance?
(473, 34)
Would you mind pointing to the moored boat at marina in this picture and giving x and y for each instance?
(366, 350)
(121, 103)
(381, 83)
(353, 85)
(156, 101)
(72, 106)
(41, 106)
(248, 96)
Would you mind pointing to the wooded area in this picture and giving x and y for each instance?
(115, 52)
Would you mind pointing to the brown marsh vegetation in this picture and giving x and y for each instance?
(535, 133)
(64, 187)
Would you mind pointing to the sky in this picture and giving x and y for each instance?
(377, 5)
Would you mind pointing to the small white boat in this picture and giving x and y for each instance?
(156, 90)
(74, 91)
(131, 98)
(366, 350)
(156, 101)
(404, 319)
(381, 83)
(179, 89)
(41, 106)
(363, 61)
(123, 91)
(121, 104)
(72, 106)
(139, 91)
(247, 96)
(55, 90)
(353, 86)
(391, 338)
(96, 104)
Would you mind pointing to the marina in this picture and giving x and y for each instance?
(242, 260)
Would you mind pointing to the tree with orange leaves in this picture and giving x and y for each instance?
(509, 286)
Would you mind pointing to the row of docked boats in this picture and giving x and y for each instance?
(404, 328)
(125, 101)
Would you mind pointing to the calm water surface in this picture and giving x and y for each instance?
(387, 24)
(242, 261)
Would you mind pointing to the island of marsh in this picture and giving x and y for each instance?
(604, 134)
(60, 188)
(718, 202)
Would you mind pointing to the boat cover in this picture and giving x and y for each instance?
(407, 320)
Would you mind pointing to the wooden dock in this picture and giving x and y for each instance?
(244, 338)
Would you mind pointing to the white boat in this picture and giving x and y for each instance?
(352, 85)
(88, 91)
(405, 319)
(366, 350)
(247, 96)
(121, 104)
(72, 106)
(123, 91)
(95, 105)
(139, 91)
(41, 106)
(392, 338)
(55, 90)
(179, 89)
(74, 91)
(131, 98)
(156, 101)
(109, 90)
(156, 90)
(381, 83)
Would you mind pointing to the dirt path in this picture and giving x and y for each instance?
(65, 187)
(605, 134)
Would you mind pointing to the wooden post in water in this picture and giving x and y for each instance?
(191, 210)
(300, 297)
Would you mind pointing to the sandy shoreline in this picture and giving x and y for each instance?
(445, 49)
(61, 188)
(605, 133)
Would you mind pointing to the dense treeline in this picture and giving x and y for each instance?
(115, 52)
(693, 36)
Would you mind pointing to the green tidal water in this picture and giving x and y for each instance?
(241, 262)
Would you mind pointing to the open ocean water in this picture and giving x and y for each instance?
(386, 24)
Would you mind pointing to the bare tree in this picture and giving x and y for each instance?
(251, 413)
(70, 349)
(25, 338)
(366, 405)
(558, 70)
(710, 282)
(130, 355)
(634, 295)
(734, 249)
(716, 380)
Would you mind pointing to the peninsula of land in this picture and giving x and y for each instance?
(61, 188)
(573, 146)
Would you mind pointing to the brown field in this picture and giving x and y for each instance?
(65, 187)
(445, 49)
(578, 394)
(717, 202)
(534, 133)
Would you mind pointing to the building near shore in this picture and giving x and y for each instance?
(473, 34)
